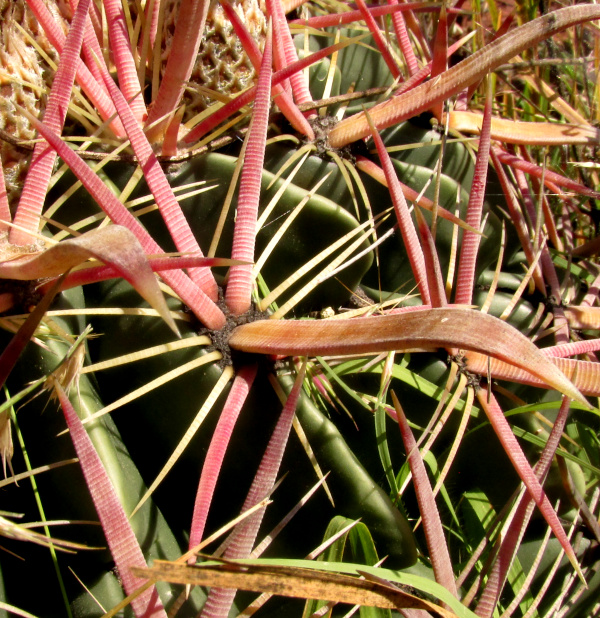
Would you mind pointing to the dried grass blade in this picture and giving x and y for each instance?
(292, 582)
(529, 133)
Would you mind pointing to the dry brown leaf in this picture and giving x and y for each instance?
(114, 245)
(445, 327)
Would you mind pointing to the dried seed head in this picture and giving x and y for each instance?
(222, 65)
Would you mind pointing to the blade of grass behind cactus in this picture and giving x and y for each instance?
(308, 579)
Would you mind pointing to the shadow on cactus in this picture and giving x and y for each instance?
(350, 230)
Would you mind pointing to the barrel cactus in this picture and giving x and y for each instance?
(375, 224)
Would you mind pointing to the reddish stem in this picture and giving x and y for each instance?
(515, 453)
(167, 203)
(467, 264)
(348, 17)
(298, 80)
(517, 219)
(239, 286)
(488, 601)
(432, 524)
(124, 60)
(33, 196)
(85, 79)
(242, 539)
(549, 176)
(120, 537)
(439, 62)
(247, 96)
(284, 100)
(216, 451)
(378, 38)
(404, 40)
(205, 310)
(407, 228)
